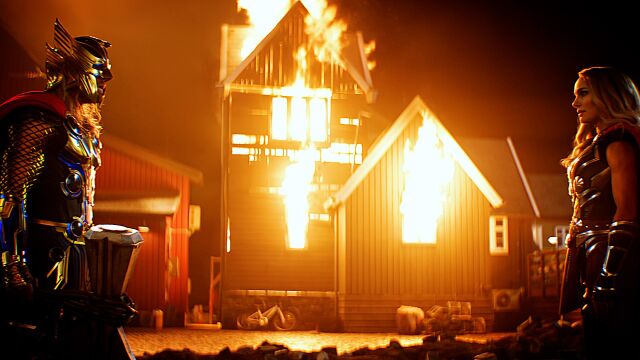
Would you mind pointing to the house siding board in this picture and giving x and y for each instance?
(259, 258)
(379, 264)
(507, 271)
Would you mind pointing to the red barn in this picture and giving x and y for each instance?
(142, 190)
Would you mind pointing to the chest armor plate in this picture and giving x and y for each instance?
(590, 187)
(64, 191)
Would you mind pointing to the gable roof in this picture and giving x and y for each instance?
(140, 153)
(351, 58)
(551, 192)
(499, 162)
(492, 164)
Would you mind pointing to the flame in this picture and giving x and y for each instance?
(323, 30)
(295, 188)
(369, 48)
(428, 171)
(324, 33)
(263, 16)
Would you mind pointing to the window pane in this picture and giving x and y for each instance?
(298, 121)
(318, 113)
(279, 118)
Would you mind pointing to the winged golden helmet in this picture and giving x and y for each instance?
(80, 63)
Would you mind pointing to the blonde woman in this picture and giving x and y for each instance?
(602, 272)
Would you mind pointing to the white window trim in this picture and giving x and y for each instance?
(494, 248)
(561, 232)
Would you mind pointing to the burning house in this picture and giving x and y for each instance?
(293, 131)
(427, 219)
(329, 225)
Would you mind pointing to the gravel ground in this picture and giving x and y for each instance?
(150, 341)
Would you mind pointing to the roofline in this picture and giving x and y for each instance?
(523, 177)
(391, 135)
(143, 154)
(362, 82)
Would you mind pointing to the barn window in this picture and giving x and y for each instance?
(561, 232)
(318, 119)
(349, 121)
(279, 118)
(498, 235)
(300, 118)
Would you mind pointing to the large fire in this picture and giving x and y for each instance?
(298, 176)
(263, 16)
(300, 113)
(428, 172)
(323, 29)
(295, 189)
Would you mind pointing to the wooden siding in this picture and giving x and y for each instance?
(377, 263)
(259, 258)
(509, 271)
(121, 173)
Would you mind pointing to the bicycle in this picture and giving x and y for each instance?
(281, 319)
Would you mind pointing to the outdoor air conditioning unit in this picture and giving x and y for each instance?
(506, 299)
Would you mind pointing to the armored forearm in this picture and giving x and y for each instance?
(622, 234)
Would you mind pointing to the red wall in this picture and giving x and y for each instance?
(152, 286)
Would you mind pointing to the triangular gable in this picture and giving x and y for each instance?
(417, 106)
(352, 64)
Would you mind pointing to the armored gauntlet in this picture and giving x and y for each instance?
(622, 234)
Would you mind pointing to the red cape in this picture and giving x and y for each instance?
(39, 99)
(634, 130)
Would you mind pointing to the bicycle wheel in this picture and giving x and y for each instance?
(243, 322)
(289, 322)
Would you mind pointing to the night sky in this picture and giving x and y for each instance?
(495, 68)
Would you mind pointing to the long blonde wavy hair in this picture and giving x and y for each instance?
(616, 97)
(87, 114)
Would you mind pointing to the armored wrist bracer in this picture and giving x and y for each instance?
(622, 234)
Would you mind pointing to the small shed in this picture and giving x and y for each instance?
(476, 251)
(142, 190)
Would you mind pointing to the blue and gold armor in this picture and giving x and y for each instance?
(47, 179)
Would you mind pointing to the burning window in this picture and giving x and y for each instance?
(279, 118)
(349, 121)
(498, 235)
(299, 119)
(428, 172)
